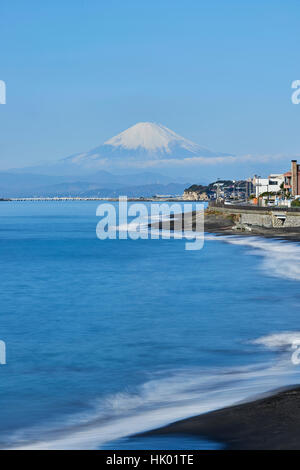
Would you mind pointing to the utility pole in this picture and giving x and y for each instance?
(218, 192)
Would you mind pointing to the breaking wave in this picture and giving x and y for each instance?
(282, 341)
(194, 391)
(279, 258)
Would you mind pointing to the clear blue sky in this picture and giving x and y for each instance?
(217, 72)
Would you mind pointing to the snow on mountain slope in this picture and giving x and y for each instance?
(152, 137)
(143, 142)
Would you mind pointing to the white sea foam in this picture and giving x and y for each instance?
(279, 258)
(193, 392)
(283, 340)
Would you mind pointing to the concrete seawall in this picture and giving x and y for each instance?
(261, 217)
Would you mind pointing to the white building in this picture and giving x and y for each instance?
(267, 185)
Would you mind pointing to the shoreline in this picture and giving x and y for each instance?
(268, 422)
(109, 199)
(221, 224)
(292, 236)
(227, 224)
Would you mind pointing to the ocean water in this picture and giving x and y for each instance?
(109, 338)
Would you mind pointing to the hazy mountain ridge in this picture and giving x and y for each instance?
(125, 154)
(147, 190)
(80, 190)
(102, 183)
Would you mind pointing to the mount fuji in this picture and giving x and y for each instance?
(142, 145)
(131, 158)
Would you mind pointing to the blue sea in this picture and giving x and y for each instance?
(106, 339)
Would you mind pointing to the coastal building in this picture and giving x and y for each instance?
(292, 179)
(272, 184)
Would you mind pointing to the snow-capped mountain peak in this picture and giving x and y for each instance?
(151, 137)
(144, 145)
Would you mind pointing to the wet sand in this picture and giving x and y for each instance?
(268, 423)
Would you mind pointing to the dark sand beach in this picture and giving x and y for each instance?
(267, 423)
(225, 224)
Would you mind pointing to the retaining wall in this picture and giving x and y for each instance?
(263, 217)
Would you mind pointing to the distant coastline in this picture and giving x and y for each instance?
(112, 199)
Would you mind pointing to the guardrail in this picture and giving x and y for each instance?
(251, 207)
